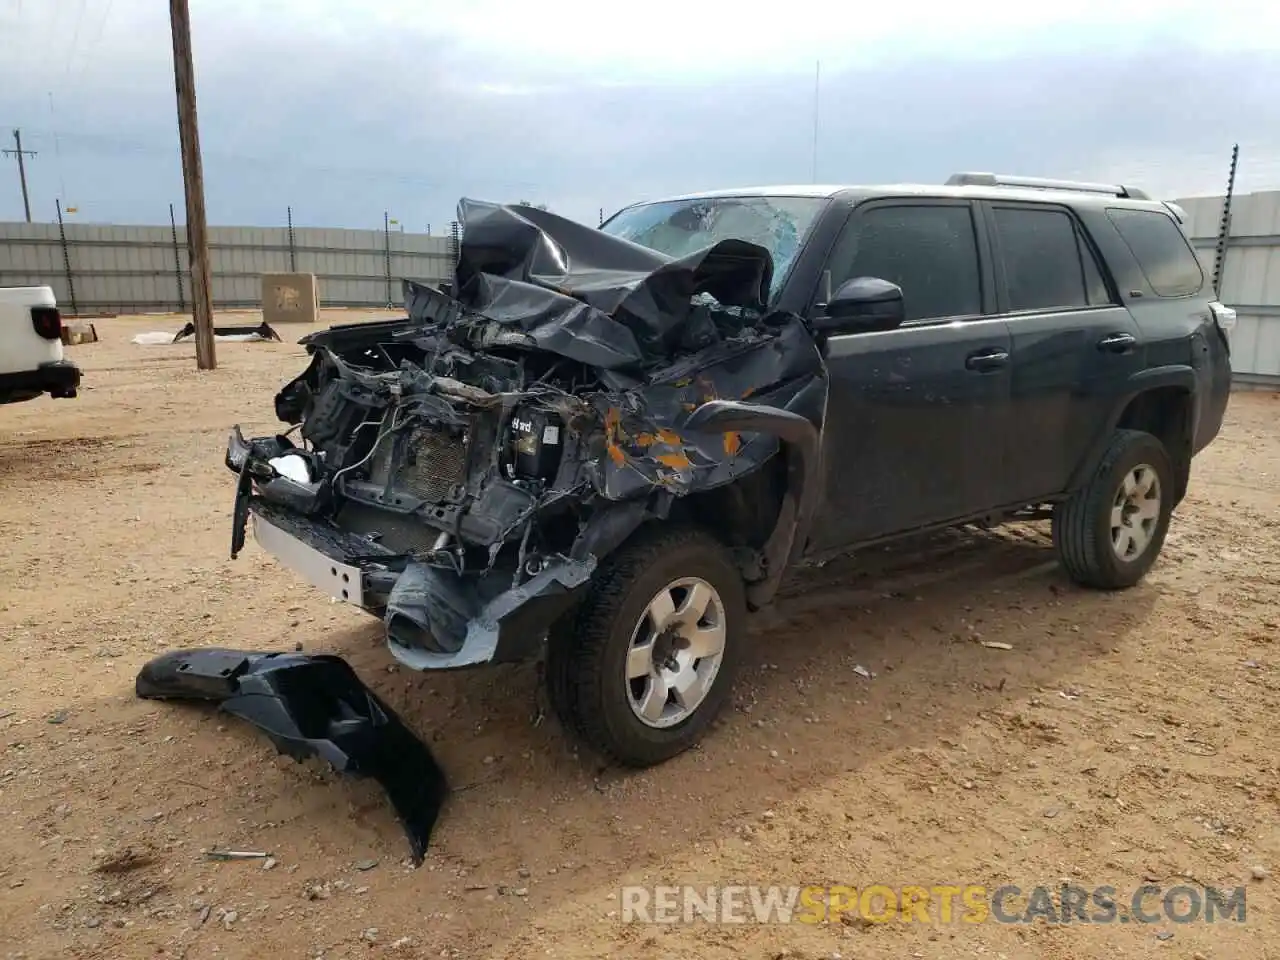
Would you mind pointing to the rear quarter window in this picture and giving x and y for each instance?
(1163, 254)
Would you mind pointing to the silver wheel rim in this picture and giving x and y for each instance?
(675, 653)
(1135, 513)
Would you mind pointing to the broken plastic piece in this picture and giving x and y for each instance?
(262, 331)
(292, 466)
(235, 855)
(312, 706)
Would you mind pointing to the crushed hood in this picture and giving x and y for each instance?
(647, 379)
(594, 298)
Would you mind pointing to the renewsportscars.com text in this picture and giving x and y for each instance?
(937, 904)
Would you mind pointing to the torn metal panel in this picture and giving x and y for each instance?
(648, 439)
(479, 457)
(312, 706)
(554, 321)
(507, 628)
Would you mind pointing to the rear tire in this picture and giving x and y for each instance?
(647, 661)
(1110, 532)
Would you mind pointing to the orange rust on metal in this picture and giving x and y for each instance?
(612, 430)
(668, 436)
(732, 442)
(645, 440)
(677, 460)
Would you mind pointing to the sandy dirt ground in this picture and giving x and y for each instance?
(1121, 740)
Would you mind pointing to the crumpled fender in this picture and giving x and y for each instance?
(802, 440)
(312, 706)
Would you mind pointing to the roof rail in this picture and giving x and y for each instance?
(1177, 210)
(1039, 183)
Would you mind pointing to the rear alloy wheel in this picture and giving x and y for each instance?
(1110, 532)
(647, 661)
(1135, 512)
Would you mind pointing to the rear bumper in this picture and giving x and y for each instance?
(354, 569)
(1214, 389)
(59, 379)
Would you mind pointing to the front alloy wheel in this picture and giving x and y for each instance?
(646, 662)
(676, 651)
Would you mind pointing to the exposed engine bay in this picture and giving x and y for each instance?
(489, 449)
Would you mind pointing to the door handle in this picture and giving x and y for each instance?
(991, 358)
(1117, 343)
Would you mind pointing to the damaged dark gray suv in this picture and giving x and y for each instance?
(605, 446)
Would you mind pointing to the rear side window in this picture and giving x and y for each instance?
(929, 251)
(1047, 266)
(1167, 261)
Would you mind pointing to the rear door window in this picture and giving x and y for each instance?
(1162, 252)
(1047, 264)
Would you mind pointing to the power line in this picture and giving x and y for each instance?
(57, 151)
(75, 40)
(95, 145)
(93, 44)
(817, 85)
(286, 164)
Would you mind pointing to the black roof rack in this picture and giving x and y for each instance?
(1039, 183)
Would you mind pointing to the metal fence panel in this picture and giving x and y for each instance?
(1250, 276)
(128, 269)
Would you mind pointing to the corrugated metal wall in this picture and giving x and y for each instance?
(138, 269)
(1250, 277)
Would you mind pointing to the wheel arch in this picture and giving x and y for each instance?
(781, 497)
(765, 512)
(1161, 401)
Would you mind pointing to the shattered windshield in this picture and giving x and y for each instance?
(679, 227)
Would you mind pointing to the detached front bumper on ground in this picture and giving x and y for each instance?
(312, 706)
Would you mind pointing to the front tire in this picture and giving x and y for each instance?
(647, 661)
(1110, 532)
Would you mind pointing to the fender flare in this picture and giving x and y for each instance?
(802, 440)
(1182, 376)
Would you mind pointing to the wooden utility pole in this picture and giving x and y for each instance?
(22, 170)
(184, 76)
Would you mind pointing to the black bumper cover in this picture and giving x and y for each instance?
(60, 379)
(312, 706)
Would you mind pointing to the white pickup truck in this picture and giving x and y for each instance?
(31, 360)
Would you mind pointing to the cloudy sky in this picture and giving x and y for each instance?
(346, 108)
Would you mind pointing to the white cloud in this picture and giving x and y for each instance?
(345, 108)
(680, 38)
(591, 40)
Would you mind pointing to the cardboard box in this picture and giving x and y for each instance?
(290, 298)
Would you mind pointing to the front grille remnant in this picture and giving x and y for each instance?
(433, 463)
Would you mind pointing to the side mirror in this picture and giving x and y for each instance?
(862, 305)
